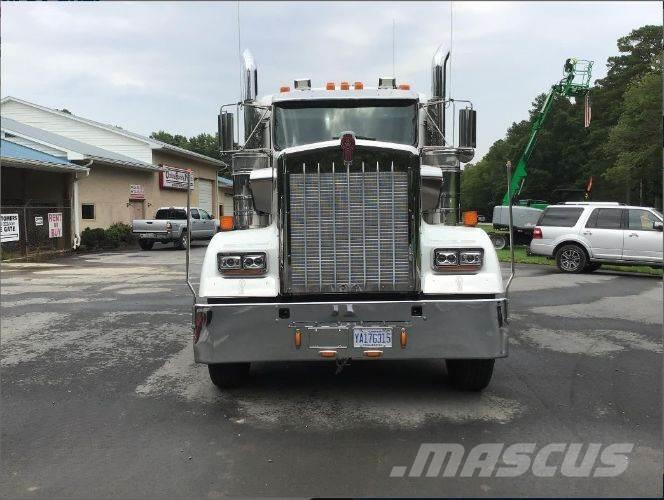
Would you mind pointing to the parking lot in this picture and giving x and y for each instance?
(100, 395)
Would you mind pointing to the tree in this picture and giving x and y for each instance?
(621, 149)
(204, 143)
(636, 141)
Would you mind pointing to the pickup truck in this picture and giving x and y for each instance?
(170, 225)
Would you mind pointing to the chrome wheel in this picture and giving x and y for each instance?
(571, 259)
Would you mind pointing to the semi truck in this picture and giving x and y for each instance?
(348, 240)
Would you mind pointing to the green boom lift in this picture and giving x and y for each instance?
(575, 84)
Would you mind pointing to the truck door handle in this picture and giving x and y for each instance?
(587, 232)
(633, 234)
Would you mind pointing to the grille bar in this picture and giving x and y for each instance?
(349, 229)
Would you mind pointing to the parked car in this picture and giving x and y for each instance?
(583, 236)
(170, 226)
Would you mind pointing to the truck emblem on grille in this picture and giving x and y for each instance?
(347, 147)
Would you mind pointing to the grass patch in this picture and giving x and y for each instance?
(521, 257)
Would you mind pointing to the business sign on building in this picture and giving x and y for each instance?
(136, 192)
(9, 229)
(175, 178)
(39, 220)
(55, 225)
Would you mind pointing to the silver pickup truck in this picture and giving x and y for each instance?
(170, 225)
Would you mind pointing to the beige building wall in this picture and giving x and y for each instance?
(225, 197)
(107, 187)
(178, 197)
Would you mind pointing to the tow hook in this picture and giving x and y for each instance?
(340, 365)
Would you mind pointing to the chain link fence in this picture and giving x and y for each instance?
(30, 231)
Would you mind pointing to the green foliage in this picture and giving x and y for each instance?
(116, 235)
(621, 149)
(205, 144)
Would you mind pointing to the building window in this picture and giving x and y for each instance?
(221, 210)
(88, 211)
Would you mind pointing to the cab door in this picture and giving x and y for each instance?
(604, 233)
(207, 224)
(642, 241)
(196, 227)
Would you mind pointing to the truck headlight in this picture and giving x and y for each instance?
(242, 264)
(457, 259)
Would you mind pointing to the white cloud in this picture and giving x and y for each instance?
(169, 65)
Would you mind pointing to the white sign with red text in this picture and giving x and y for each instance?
(175, 178)
(55, 225)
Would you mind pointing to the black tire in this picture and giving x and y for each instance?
(470, 374)
(499, 241)
(229, 375)
(182, 242)
(146, 244)
(592, 266)
(571, 259)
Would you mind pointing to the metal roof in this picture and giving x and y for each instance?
(60, 142)
(223, 182)
(153, 143)
(12, 153)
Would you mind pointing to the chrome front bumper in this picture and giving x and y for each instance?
(240, 332)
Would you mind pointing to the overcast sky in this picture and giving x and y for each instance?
(147, 66)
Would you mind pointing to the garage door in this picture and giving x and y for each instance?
(205, 196)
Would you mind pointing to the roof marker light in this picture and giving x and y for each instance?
(344, 86)
(329, 86)
(404, 86)
(284, 89)
(359, 85)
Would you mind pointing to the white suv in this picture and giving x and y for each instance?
(583, 236)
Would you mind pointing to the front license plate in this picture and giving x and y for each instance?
(364, 336)
(147, 235)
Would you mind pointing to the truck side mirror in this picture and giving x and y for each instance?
(657, 225)
(467, 128)
(225, 131)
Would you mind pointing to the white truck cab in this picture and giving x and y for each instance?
(347, 241)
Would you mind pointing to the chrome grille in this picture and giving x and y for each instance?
(349, 229)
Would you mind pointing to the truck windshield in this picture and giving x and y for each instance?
(304, 122)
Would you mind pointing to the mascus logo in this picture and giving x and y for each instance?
(347, 147)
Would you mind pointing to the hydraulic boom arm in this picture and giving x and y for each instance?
(575, 84)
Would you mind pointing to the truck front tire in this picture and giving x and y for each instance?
(229, 375)
(145, 244)
(470, 374)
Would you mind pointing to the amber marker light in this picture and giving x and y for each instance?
(373, 354)
(284, 89)
(404, 86)
(298, 338)
(470, 218)
(344, 86)
(329, 86)
(327, 354)
(358, 85)
(226, 223)
(404, 338)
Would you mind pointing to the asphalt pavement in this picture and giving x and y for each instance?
(101, 398)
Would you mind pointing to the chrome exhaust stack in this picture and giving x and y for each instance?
(439, 94)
